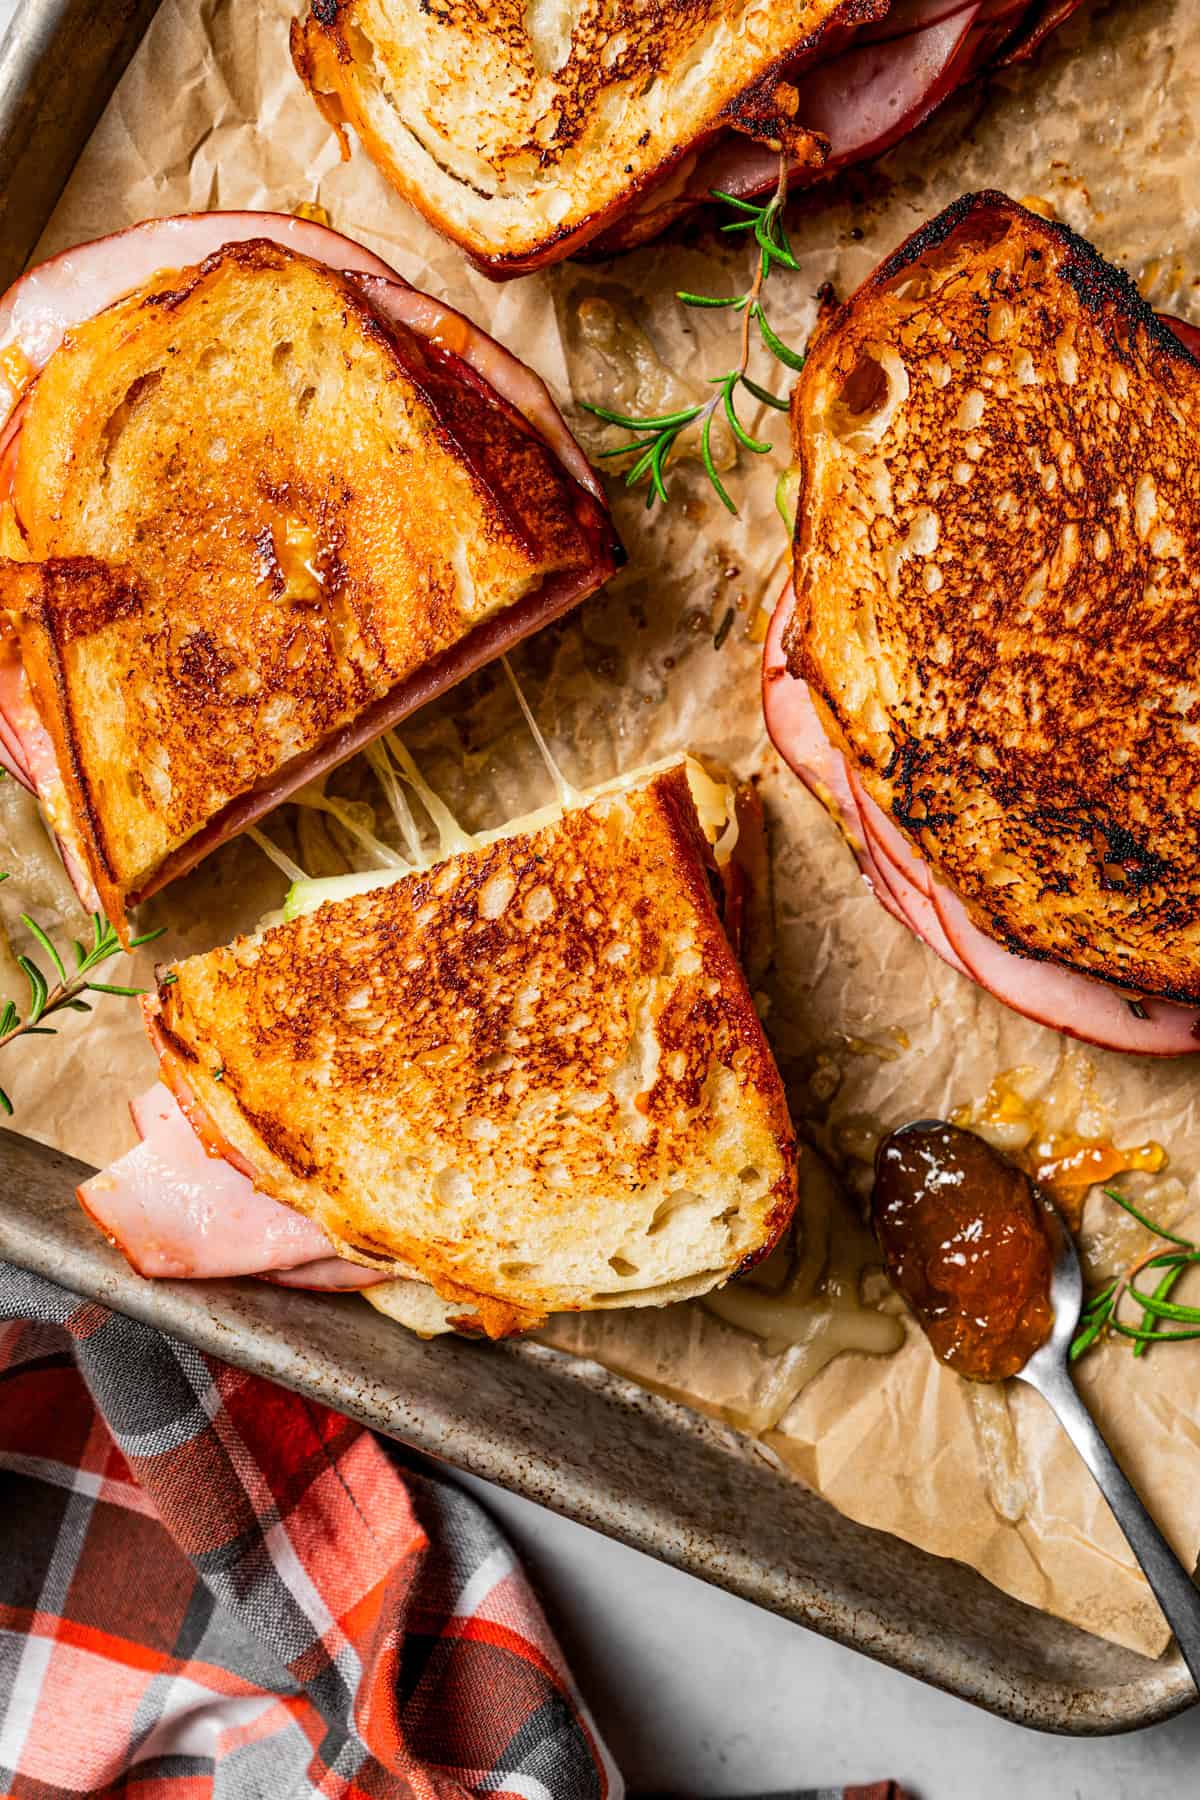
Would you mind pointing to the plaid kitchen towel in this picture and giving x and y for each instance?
(211, 1589)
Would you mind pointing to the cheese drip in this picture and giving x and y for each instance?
(396, 770)
(805, 1302)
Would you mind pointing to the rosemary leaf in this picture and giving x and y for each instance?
(1150, 1337)
(710, 299)
(6, 1104)
(1165, 1309)
(104, 987)
(745, 206)
(636, 470)
(657, 483)
(772, 239)
(1083, 1340)
(790, 359)
(1120, 1199)
(147, 937)
(764, 394)
(32, 926)
(683, 417)
(39, 993)
(735, 425)
(710, 466)
(1161, 1292)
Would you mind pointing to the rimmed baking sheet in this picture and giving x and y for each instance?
(588, 1444)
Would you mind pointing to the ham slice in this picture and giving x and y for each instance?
(1036, 28)
(9, 438)
(27, 752)
(907, 875)
(174, 1211)
(13, 691)
(327, 1275)
(1085, 1009)
(875, 93)
(1188, 335)
(37, 765)
(907, 886)
(798, 735)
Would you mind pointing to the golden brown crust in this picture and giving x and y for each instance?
(998, 601)
(533, 1076)
(50, 604)
(526, 171)
(282, 510)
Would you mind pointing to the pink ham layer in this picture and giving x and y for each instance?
(871, 87)
(905, 884)
(175, 1211)
(27, 752)
(41, 308)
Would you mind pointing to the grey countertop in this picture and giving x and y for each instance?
(700, 1694)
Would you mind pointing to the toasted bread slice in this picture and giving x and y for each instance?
(997, 564)
(532, 1076)
(253, 510)
(522, 133)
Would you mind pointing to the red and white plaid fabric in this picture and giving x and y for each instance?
(211, 1589)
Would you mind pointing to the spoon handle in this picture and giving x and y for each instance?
(1173, 1587)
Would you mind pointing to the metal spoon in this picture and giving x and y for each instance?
(1049, 1372)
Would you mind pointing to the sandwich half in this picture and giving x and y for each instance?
(259, 499)
(987, 666)
(526, 1079)
(526, 135)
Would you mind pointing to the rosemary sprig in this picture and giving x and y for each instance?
(1102, 1314)
(63, 990)
(654, 438)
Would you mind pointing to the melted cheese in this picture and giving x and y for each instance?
(808, 1307)
(715, 808)
(999, 1450)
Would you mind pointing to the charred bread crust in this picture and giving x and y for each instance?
(559, 912)
(1022, 749)
(49, 605)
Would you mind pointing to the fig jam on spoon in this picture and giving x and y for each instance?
(965, 1243)
(991, 1272)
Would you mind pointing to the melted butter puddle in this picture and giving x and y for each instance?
(806, 1305)
(289, 559)
(1056, 1136)
(999, 1450)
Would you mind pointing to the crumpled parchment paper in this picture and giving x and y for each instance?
(1102, 130)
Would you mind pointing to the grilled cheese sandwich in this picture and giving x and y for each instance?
(529, 132)
(528, 1077)
(255, 517)
(995, 616)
